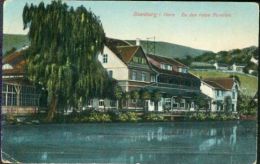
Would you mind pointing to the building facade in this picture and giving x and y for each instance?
(136, 70)
(19, 96)
(223, 93)
(238, 68)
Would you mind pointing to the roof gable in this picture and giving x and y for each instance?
(220, 83)
(164, 60)
(127, 52)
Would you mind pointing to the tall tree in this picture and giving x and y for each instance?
(63, 53)
(118, 94)
(145, 95)
(127, 97)
(156, 97)
(135, 95)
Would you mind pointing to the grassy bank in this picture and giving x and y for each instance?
(106, 117)
(249, 84)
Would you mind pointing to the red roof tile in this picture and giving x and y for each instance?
(165, 60)
(127, 52)
(220, 83)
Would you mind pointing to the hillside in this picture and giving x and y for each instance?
(249, 84)
(171, 50)
(14, 41)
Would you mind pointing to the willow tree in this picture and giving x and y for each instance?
(63, 53)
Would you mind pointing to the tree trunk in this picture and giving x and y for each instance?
(52, 110)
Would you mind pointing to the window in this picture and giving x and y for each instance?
(139, 60)
(169, 67)
(174, 104)
(101, 103)
(151, 103)
(218, 92)
(162, 66)
(233, 95)
(134, 75)
(110, 73)
(143, 61)
(152, 78)
(112, 103)
(192, 105)
(182, 104)
(143, 76)
(105, 58)
(233, 107)
(167, 102)
(90, 102)
(135, 59)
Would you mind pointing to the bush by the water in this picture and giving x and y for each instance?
(128, 117)
(153, 117)
(212, 116)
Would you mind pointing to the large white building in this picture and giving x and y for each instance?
(135, 70)
(221, 90)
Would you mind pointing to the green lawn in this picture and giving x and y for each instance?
(249, 84)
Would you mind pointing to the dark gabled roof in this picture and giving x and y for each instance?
(173, 73)
(112, 44)
(127, 52)
(220, 83)
(165, 60)
(17, 61)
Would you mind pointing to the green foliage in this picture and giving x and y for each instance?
(16, 41)
(248, 84)
(212, 117)
(128, 117)
(227, 104)
(145, 95)
(63, 52)
(246, 105)
(135, 95)
(98, 117)
(200, 101)
(123, 117)
(118, 93)
(153, 117)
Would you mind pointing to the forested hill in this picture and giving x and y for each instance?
(239, 56)
(12, 42)
(170, 50)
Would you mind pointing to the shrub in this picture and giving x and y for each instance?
(123, 117)
(99, 117)
(212, 116)
(128, 117)
(201, 117)
(132, 117)
(154, 117)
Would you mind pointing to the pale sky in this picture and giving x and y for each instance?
(211, 26)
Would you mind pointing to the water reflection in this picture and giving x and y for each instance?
(134, 143)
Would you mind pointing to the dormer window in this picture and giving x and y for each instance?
(7, 66)
(183, 70)
(166, 67)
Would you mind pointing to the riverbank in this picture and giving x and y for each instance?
(106, 117)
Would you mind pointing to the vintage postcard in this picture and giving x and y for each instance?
(127, 82)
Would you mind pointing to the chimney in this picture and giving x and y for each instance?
(137, 41)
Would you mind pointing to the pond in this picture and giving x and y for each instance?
(230, 142)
